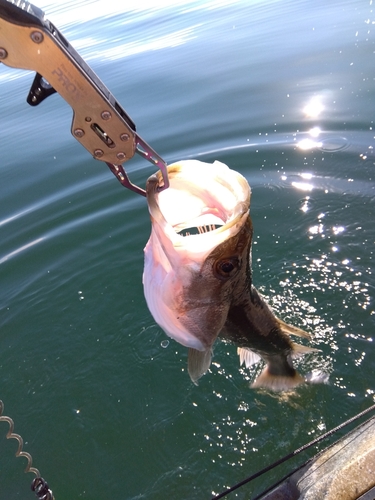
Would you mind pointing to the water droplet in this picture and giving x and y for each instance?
(164, 343)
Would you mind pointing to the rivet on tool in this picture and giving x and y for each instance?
(124, 137)
(78, 132)
(106, 115)
(121, 156)
(98, 153)
(3, 53)
(37, 37)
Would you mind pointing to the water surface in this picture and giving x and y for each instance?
(282, 92)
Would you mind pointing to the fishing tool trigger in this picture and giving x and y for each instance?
(40, 89)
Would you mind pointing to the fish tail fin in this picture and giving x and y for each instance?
(198, 363)
(292, 330)
(283, 378)
(267, 380)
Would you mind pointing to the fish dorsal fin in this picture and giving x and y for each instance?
(198, 363)
(301, 350)
(247, 357)
(292, 330)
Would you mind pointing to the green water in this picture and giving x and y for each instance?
(104, 404)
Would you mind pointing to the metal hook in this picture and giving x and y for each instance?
(143, 149)
(122, 177)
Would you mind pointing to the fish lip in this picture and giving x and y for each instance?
(231, 222)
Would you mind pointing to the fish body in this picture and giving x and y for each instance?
(197, 276)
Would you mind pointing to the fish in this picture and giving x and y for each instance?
(197, 276)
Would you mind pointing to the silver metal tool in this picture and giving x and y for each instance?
(29, 41)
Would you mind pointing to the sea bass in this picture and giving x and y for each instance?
(197, 275)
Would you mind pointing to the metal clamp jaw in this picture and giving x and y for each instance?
(100, 124)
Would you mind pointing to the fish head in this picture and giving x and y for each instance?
(199, 246)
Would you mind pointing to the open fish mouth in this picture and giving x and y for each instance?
(205, 200)
(199, 229)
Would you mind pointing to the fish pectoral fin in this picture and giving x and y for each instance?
(292, 330)
(198, 363)
(301, 350)
(267, 380)
(247, 357)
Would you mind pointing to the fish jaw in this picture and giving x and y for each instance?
(200, 194)
(184, 297)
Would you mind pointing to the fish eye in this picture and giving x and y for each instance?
(227, 267)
